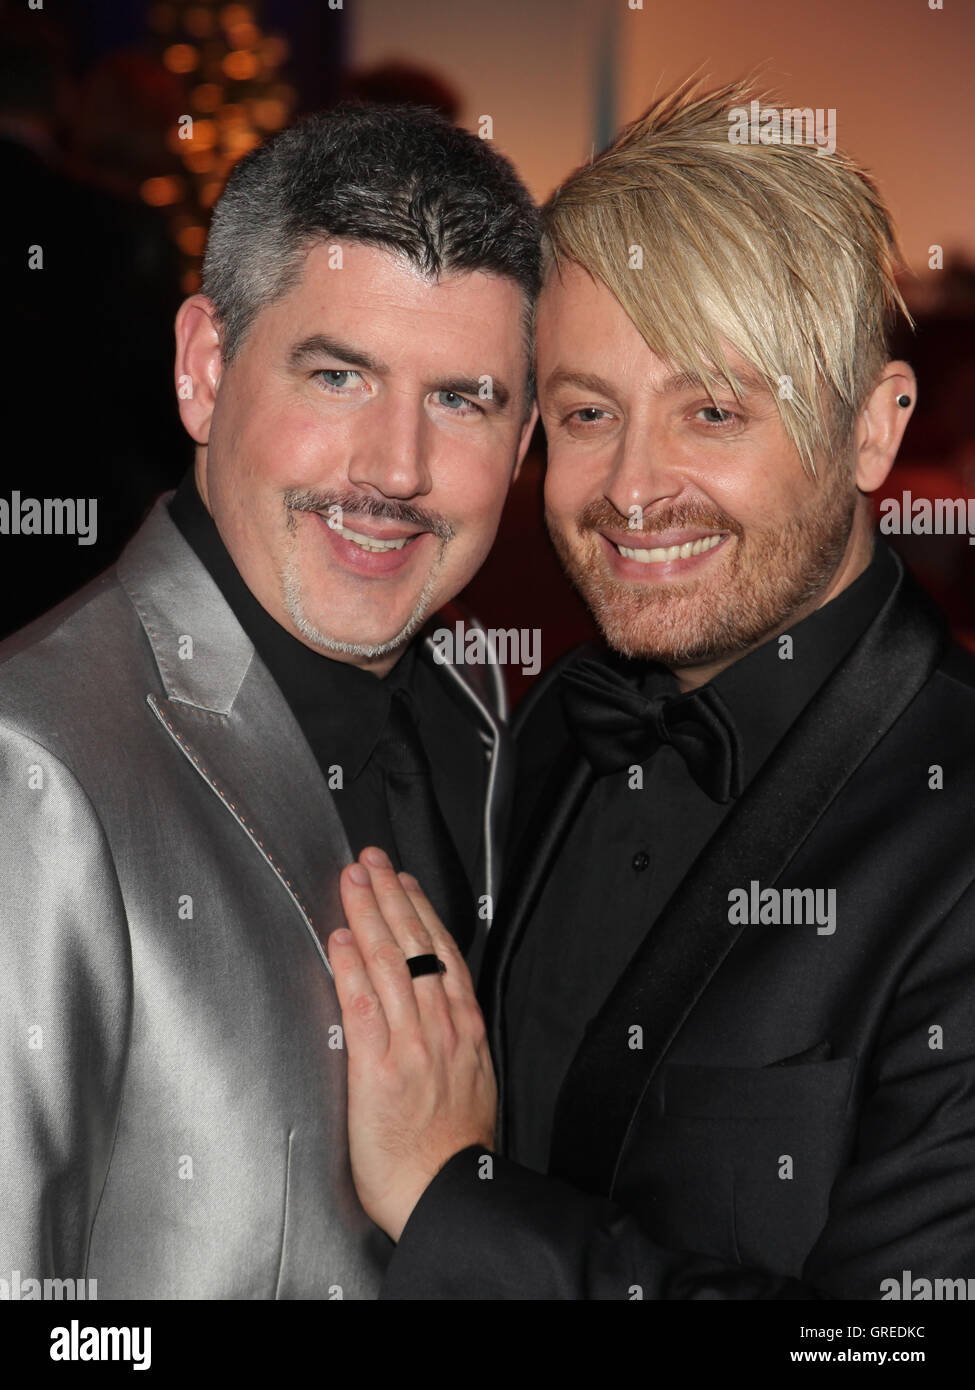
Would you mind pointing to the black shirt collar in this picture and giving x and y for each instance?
(336, 704)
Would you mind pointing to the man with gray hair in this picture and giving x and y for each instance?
(193, 746)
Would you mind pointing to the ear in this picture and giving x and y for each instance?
(524, 439)
(199, 364)
(880, 427)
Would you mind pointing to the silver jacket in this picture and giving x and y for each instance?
(173, 1096)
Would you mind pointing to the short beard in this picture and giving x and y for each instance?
(356, 505)
(772, 577)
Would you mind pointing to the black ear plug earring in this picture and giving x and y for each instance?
(903, 401)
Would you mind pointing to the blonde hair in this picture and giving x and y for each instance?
(779, 252)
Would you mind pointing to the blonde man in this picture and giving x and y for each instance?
(730, 991)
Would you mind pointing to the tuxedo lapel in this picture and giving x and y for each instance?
(550, 787)
(836, 732)
(227, 716)
(561, 796)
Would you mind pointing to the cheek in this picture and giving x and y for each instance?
(473, 504)
(760, 497)
(475, 514)
(291, 452)
(264, 438)
(567, 489)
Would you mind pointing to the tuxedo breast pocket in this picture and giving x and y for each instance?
(738, 1162)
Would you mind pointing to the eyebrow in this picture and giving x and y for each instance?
(672, 385)
(323, 345)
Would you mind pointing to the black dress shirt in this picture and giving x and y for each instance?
(341, 709)
(628, 850)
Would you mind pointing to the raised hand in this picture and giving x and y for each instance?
(421, 1081)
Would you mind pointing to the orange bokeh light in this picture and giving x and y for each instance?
(199, 161)
(240, 66)
(232, 114)
(181, 57)
(192, 240)
(243, 35)
(235, 14)
(204, 136)
(161, 192)
(269, 114)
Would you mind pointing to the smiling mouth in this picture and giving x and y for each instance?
(372, 544)
(661, 555)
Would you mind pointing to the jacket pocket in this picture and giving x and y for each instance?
(738, 1162)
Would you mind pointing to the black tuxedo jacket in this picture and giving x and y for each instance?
(795, 1117)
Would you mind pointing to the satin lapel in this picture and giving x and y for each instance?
(839, 728)
(562, 795)
(228, 717)
(548, 788)
(258, 763)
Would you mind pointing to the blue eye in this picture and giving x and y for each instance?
(717, 415)
(337, 377)
(454, 402)
(586, 415)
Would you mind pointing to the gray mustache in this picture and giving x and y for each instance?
(378, 507)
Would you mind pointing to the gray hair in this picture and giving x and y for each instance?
(396, 177)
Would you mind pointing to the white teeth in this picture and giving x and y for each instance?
(366, 542)
(661, 554)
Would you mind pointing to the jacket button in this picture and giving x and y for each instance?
(640, 861)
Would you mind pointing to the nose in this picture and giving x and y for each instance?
(643, 473)
(390, 449)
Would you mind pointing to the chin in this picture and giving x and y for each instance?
(357, 642)
(366, 647)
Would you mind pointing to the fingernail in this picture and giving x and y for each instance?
(408, 881)
(376, 857)
(358, 875)
(342, 937)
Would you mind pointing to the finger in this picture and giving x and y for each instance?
(395, 905)
(398, 912)
(363, 1017)
(457, 977)
(382, 956)
(465, 1011)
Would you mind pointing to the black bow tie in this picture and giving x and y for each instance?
(616, 727)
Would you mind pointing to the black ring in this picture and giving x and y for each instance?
(426, 965)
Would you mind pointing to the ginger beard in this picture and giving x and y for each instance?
(750, 594)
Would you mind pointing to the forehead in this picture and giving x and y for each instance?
(380, 296)
(579, 323)
(582, 329)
